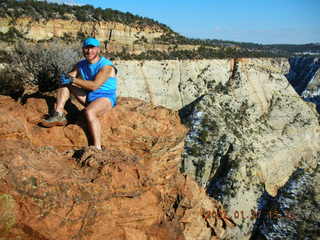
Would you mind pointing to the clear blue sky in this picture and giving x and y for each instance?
(259, 21)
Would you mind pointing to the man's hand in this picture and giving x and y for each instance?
(65, 80)
(92, 85)
(71, 77)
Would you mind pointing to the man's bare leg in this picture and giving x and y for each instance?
(58, 117)
(64, 94)
(62, 97)
(96, 109)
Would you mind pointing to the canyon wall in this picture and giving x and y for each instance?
(175, 84)
(248, 128)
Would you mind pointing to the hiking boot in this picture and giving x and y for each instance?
(56, 119)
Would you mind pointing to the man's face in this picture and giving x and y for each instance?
(91, 52)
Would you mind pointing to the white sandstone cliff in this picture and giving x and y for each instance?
(245, 120)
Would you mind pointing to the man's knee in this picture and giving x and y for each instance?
(90, 113)
(77, 92)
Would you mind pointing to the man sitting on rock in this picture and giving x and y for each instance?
(93, 83)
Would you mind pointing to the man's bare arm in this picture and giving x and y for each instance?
(74, 72)
(101, 77)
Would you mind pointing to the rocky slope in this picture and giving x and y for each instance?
(52, 188)
(294, 212)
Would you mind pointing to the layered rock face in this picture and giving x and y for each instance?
(52, 188)
(122, 34)
(133, 39)
(173, 84)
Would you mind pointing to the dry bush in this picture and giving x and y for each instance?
(9, 83)
(37, 67)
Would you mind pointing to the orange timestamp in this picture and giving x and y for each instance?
(252, 214)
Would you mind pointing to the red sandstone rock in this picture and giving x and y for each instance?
(51, 188)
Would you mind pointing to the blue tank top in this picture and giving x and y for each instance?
(89, 71)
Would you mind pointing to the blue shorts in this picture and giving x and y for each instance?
(112, 96)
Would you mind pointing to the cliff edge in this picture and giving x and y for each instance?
(53, 188)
